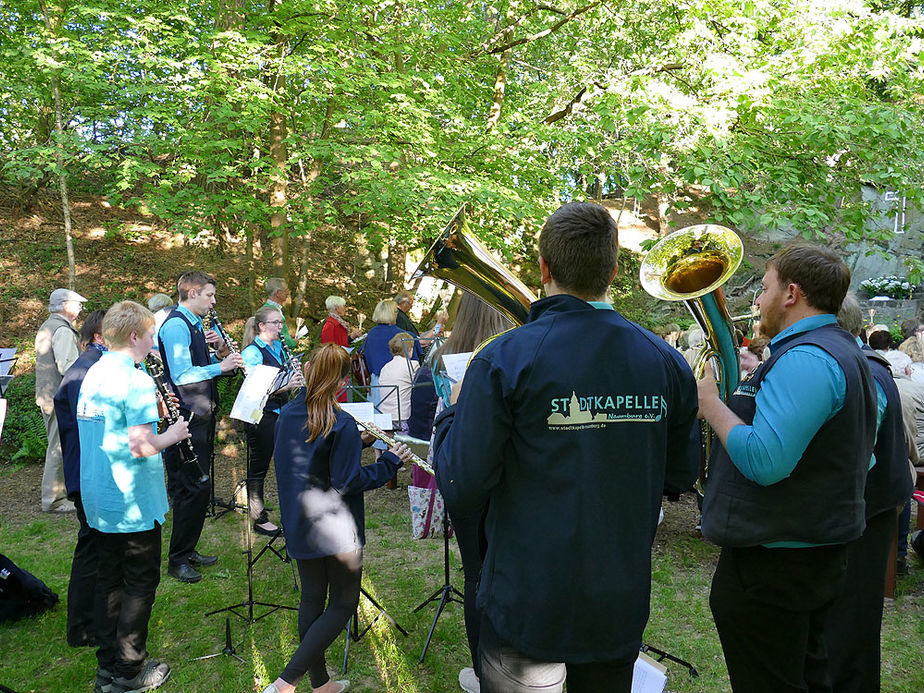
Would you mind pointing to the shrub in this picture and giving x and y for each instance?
(892, 286)
(24, 429)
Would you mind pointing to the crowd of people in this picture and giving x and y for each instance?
(553, 453)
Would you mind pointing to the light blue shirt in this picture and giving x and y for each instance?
(804, 389)
(175, 336)
(120, 493)
(253, 356)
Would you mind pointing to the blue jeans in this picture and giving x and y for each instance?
(505, 670)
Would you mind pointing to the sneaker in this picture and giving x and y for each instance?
(468, 680)
(103, 681)
(153, 675)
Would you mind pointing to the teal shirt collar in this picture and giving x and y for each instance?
(601, 305)
(195, 319)
(804, 325)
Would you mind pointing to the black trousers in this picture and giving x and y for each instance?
(81, 588)
(128, 578)
(468, 535)
(852, 634)
(260, 445)
(771, 608)
(188, 496)
(318, 627)
(505, 670)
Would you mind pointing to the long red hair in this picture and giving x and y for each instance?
(328, 366)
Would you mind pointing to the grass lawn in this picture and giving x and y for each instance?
(400, 573)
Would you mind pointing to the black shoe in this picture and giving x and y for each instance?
(103, 681)
(267, 532)
(184, 573)
(153, 675)
(198, 559)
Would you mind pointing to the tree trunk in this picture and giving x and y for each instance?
(53, 31)
(500, 77)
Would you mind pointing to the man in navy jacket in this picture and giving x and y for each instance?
(81, 587)
(568, 427)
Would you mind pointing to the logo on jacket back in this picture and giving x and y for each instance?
(596, 411)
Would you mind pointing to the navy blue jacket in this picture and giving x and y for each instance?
(66, 413)
(375, 347)
(888, 483)
(570, 426)
(321, 483)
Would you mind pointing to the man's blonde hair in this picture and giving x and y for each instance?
(122, 319)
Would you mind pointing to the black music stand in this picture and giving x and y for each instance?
(661, 655)
(446, 594)
(352, 627)
(250, 602)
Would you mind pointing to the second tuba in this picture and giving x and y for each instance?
(691, 265)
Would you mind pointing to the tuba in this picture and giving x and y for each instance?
(691, 265)
(460, 259)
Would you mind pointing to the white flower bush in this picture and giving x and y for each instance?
(892, 286)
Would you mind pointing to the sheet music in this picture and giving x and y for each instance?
(248, 406)
(648, 675)
(364, 411)
(2, 416)
(456, 365)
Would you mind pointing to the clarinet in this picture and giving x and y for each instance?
(187, 453)
(211, 322)
(391, 442)
(292, 362)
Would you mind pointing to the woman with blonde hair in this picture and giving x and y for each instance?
(321, 484)
(914, 348)
(263, 346)
(376, 349)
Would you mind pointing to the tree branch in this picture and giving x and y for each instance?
(545, 32)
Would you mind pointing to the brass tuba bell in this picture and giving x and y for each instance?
(691, 265)
(460, 259)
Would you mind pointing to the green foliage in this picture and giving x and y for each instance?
(373, 117)
(228, 387)
(24, 435)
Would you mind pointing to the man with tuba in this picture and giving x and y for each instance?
(568, 428)
(190, 370)
(785, 491)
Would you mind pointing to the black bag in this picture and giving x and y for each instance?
(21, 593)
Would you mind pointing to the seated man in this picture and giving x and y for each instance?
(124, 496)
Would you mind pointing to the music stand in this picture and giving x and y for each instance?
(352, 627)
(250, 602)
(446, 594)
(661, 655)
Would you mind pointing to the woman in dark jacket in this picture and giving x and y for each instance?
(321, 484)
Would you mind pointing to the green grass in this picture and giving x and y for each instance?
(400, 572)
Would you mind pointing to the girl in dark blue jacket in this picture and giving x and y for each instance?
(321, 483)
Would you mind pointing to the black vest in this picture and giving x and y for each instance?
(888, 484)
(200, 398)
(821, 502)
(280, 400)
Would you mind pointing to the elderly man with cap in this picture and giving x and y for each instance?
(56, 348)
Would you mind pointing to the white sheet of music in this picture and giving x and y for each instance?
(648, 675)
(2, 416)
(253, 394)
(364, 411)
(456, 365)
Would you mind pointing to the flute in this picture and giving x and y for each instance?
(390, 442)
(187, 452)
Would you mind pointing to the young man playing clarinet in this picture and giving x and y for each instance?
(190, 370)
(123, 495)
(568, 428)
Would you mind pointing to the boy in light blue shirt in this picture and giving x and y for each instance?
(125, 500)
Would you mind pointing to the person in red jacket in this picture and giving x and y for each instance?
(335, 329)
